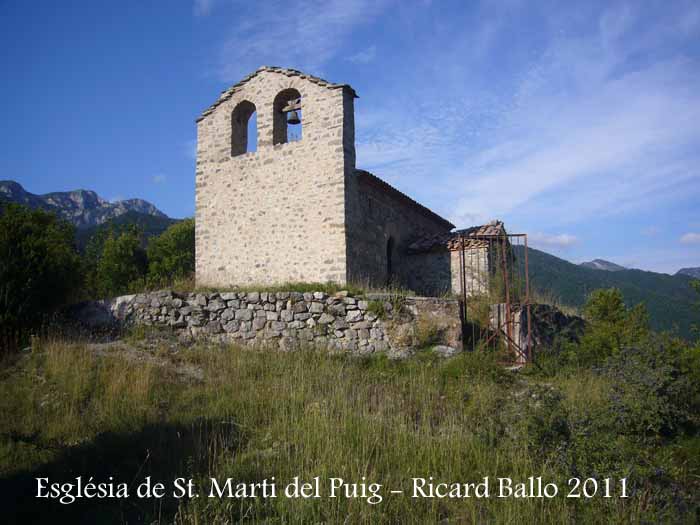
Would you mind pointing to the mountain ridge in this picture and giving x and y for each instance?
(670, 300)
(602, 264)
(82, 208)
(693, 272)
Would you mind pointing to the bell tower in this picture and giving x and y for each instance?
(278, 214)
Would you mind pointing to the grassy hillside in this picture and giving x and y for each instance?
(668, 298)
(155, 408)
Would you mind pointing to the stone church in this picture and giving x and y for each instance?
(296, 209)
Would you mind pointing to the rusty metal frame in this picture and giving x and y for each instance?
(516, 292)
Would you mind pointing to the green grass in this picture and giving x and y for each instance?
(330, 288)
(67, 411)
(302, 287)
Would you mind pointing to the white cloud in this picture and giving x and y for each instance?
(364, 57)
(159, 178)
(616, 133)
(690, 238)
(562, 240)
(601, 121)
(266, 34)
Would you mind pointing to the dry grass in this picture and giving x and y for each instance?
(258, 415)
(538, 296)
(188, 285)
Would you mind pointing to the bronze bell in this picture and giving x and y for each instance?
(293, 117)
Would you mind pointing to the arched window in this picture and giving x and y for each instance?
(389, 255)
(286, 124)
(244, 129)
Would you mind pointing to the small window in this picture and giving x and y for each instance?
(244, 129)
(287, 119)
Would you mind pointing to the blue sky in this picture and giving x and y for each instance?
(578, 123)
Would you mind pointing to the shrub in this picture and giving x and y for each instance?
(122, 266)
(39, 265)
(545, 426)
(650, 395)
(377, 308)
(605, 305)
(612, 328)
(171, 255)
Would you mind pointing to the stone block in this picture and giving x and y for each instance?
(316, 307)
(338, 309)
(244, 315)
(353, 316)
(213, 327)
(278, 325)
(326, 319)
(232, 326)
(216, 305)
(299, 307)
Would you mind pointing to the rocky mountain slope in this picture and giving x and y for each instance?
(601, 264)
(83, 208)
(690, 272)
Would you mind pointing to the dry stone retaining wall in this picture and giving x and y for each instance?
(375, 323)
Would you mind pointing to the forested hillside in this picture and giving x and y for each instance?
(668, 298)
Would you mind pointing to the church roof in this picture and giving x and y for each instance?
(474, 237)
(228, 93)
(370, 179)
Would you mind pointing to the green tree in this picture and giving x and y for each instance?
(39, 265)
(695, 328)
(612, 326)
(171, 255)
(605, 306)
(122, 265)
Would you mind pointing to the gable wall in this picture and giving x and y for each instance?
(278, 214)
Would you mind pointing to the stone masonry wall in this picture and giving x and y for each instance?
(286, 320)
(277, 214)
(375, 216)
(438, 272)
